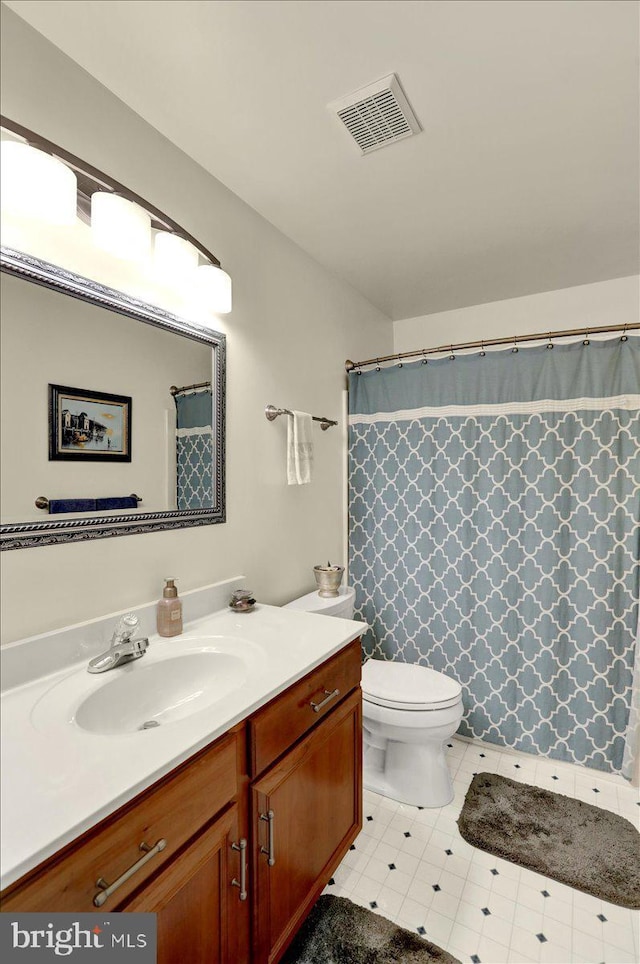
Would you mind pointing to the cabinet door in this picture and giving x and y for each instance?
(306, 811)
(201, 918)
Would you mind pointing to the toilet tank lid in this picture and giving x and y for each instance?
(313, 603)
(407, 683)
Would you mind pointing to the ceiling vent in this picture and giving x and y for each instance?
(377, 115)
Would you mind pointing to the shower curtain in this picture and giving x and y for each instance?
(194, 450)
(495, 537)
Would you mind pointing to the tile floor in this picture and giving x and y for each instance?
(412, 866)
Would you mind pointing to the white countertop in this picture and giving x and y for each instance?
(60, 780)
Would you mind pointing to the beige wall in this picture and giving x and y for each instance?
(48, 338)
(605, 303)
(292, 327)
(602, 303)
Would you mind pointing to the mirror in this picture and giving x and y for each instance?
(89, 414)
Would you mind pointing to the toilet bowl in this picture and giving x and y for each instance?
(409, 712)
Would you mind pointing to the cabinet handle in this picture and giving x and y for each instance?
(107, 889)
(328, 696)
(242, 883)
(270, 851)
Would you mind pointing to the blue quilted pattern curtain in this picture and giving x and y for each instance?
(194, 450)
(495, 536)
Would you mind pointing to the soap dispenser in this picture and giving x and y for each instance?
(169, 610)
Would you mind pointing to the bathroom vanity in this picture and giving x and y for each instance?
(232, 846)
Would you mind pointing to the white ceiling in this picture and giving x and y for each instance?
(524, 178)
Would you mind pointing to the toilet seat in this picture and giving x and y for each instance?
(407, 686)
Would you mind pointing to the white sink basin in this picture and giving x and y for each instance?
(160, 692)
(173, 681)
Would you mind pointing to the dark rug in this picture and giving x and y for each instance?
(338, 931)
(570, 841)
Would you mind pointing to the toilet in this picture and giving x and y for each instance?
(409, 712)
(340, 605)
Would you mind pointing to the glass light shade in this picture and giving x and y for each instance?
(174, 259)
(34, 184)
(120, 227)
(214, 286)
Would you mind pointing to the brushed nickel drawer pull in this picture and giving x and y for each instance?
(270, 851)
(242, 883)
(108, 889)
(316, 707)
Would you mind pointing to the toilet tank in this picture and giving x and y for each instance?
(340, 605)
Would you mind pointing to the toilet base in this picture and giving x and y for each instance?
(409, 773)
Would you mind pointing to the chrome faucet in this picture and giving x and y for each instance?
(123, 647)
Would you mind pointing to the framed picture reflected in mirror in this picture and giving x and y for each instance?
(87, 425)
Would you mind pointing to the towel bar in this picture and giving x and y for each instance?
(42, 502)
(271, 412)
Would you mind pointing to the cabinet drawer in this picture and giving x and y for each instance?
(172, 811)
(277, 726)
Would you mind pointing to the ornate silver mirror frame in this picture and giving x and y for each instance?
(48, 532)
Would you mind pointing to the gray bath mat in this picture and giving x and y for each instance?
(338, 931)
(574, 842)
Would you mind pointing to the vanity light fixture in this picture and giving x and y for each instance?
(214, 287)
(34, 184)
(174, 258)
(176, 262)
(48, 184)
(120, 226)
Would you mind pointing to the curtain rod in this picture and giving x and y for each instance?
(490, 342)
(187, 388)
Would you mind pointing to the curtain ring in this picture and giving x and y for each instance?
(587, 340)
(377, 364)
(549, 343)
(515, 346)
(482, 351)
(399, 362)
(452, 357)
(425, 360)
(624, 335)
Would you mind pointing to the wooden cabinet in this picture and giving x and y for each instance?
(178, 849)
(306, 811)
(277, 726)
(199, 914)
(172, 812)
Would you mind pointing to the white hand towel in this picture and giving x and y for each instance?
(299, 449)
